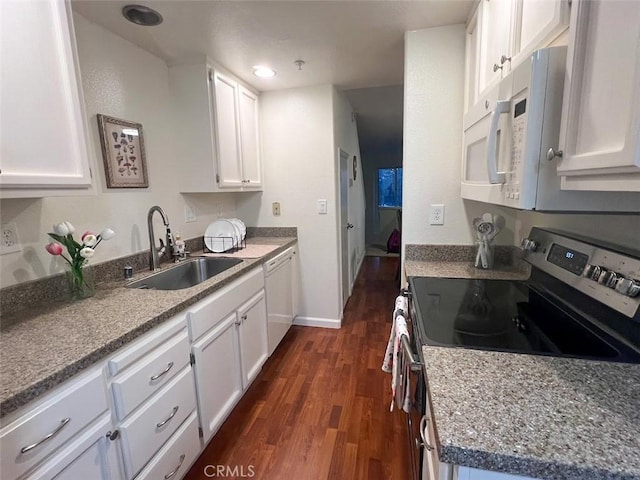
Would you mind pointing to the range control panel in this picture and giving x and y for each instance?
(607, 273)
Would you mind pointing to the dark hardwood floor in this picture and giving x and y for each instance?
(320, 407)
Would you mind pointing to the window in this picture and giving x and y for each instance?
(390, 187)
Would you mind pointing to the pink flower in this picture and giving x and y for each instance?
(88, 232)
(54, 248)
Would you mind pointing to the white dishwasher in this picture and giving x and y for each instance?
(278, 276)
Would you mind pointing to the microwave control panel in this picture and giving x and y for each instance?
(518, 120)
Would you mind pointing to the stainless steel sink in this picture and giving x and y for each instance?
(185, 275)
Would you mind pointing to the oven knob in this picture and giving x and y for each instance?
(528, 245)
(628, 287)
(609, 279)
(593, 272)
(589, 271)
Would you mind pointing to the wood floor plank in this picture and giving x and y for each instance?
(319, 409)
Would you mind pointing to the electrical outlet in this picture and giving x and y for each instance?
(9, 240)
(436, 216)
(275, 207)
(190, 214)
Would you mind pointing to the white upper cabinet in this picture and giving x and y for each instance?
(250, 137)
(537, 22)
(218, 120)
(227, 128)
(600, 134)
(495, 40)
(503, 33)
(44, 133)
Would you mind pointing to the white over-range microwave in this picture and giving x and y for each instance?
(507, 136)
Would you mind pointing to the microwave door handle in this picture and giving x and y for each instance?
(492, 143)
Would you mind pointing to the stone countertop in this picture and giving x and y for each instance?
(417, 268)
(48, 345)
(538, 416)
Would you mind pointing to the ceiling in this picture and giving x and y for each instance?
(350, 44)
(354, 45)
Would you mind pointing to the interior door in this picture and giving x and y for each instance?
(345, 226)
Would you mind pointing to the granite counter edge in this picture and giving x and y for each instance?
(527, 466)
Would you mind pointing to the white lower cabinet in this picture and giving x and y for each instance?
(218, 375)
(141, 413)
(229, 334)
(254, 349)
(467, 473)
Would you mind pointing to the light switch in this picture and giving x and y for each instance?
(322, 207)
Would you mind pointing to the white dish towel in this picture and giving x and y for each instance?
(391, 362)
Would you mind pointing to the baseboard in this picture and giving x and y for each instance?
(317, 322)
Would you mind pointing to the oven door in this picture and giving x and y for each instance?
(415, 420)
(417, 395)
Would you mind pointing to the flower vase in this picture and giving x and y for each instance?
(81, 280)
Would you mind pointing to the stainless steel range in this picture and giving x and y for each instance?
(582, 300)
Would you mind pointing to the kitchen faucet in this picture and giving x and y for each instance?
(157, 252)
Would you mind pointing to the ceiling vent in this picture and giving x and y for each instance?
(141, 15)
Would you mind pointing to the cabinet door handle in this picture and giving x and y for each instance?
(164, 422)
(244, 317)
(164, 372)
(496, 67)
(169, 475)
(423, 429)
(63, 423)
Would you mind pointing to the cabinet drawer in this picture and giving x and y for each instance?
(175, 458)
(138, 349)
(151, 426)
(150, 374)
(89, 455)
(29, 439)
(208, 312)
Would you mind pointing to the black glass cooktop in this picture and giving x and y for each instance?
(508, 316)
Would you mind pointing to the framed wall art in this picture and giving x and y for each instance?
(123, 153)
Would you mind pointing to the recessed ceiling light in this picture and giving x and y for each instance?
(263, 72)
(141, 15)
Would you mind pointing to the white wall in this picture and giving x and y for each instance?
(346, 138)
(432, 148)
(298, 147)
(124, 81)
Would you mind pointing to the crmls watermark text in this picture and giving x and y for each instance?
(230, 471)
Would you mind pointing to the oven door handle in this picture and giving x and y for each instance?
(414, 363)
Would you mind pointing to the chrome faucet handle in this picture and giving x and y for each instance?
(162, 248)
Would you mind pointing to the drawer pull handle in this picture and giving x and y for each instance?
(423, 430)
(164, 422)
(169, 475)
(166, 370)
(63, 423)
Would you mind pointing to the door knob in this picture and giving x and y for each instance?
(349, 225)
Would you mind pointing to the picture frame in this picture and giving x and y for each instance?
(123, 153)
